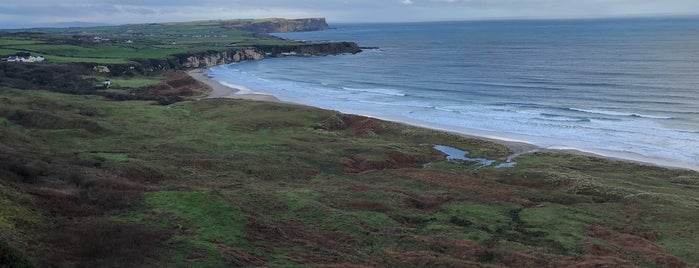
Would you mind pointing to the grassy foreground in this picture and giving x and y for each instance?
(141, 175)
(90, 182)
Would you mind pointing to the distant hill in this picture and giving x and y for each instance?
(78, 24)
(72, 24)
(270, 25)
(275, 25)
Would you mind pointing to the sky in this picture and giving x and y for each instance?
(23, 13)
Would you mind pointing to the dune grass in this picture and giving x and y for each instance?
(216, 183)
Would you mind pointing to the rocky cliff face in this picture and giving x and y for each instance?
(310, 49)
(212, 58)
(276, 25)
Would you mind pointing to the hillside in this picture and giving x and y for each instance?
(136, 57)
(142, 174)
(91, 182)
(276, 25)
(124, 43)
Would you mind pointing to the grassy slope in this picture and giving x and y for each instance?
(215, 183)
(148, 41)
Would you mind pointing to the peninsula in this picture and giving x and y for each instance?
(112, 156)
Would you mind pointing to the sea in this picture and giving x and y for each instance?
(622, 88)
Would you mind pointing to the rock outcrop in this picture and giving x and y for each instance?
(311, 49)
(203, 59)
(212, 58)
(101, 69)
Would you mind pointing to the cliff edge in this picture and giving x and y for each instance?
(278, 25)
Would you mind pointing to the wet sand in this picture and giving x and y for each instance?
(219, 90)
(518, 147)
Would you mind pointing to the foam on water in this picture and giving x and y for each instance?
(383, 91)
(534, 84)
(619, 113)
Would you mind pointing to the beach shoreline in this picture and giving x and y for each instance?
(520, 147)
(219, 90)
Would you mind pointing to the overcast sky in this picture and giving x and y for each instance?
(15, 13)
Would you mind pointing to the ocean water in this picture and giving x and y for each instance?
(620, 88)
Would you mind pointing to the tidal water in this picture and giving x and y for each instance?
(626, 88)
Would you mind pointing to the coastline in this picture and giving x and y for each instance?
(523, 147)
(220, 90)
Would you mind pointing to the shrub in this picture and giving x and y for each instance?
(90, 160)
(61, 202)
(110, 194)
(26, 171)
(11, 257)
(103, 244)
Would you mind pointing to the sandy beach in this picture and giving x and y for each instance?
(219, 90)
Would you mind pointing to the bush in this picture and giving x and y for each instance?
(111, 194)
(26, 171)
(90, 161)
(103, 244)
(46, 120)
(11, 257)
(66, 78)
(62, 202)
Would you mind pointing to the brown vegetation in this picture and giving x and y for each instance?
(629, 245)
(364, 205)
(177, 83)
(395, 160)
(103, 244)
(273, 187)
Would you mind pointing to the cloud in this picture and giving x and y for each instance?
(34, 12)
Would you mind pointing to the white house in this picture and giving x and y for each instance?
(27, 59)
(98, 39)
(35, 59)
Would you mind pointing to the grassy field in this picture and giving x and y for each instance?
(119, 44)
(217, 183)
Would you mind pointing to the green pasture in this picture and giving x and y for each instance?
(147, 41)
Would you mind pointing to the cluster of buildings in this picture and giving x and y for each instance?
(24, 59)
(88, 38)
(98, 40)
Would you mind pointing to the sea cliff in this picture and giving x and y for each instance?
(210, 58)
(276, 25)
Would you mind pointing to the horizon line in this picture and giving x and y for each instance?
(484, 19)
